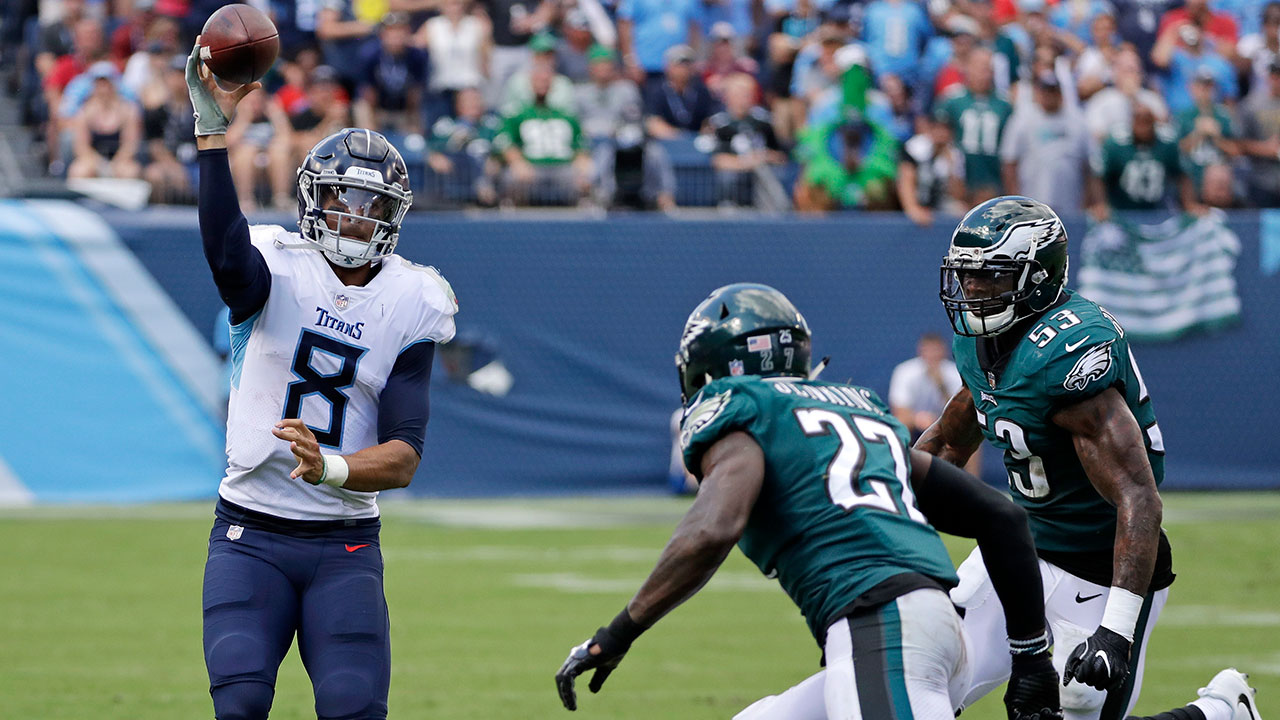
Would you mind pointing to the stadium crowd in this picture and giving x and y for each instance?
(923, 107)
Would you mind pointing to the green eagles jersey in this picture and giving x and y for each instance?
(1073, 352)
(836, 515)
(978, 123)
(1204, 153)
(545, 135)
(1138, 177)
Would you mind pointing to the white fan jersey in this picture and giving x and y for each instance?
(320, 351)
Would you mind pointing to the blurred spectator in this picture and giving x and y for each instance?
(168, 132)
(647, 29)
(106, 131)
(895, 32)
(977, 117)
(1006, 61)
(86, 48)
(133, 32)
(571, 52)
(845, 163)
(738, 14)
(1184, 50)
(544, 149)
(149, 64)
(950, 55)
(633, 170)
(1078, 17)
(1093, 66)
(1206, 134)
(893, 107)
(1259, 49)
(745, 144)
(297, 71)
(1137, 168)
(930, 173)
(819, 70)
(920, 387)
(1112, 107)
(1045, 148)
(680, 105)
(341, 35)
(1138, 22)
(325, 110)
(460, 45)
(1248, 14)
(1218, 29)
(787, 37)
(392, 77)
(725, 58)
(1260, 123)
(460, 147)
(519, 92)
(57, 38)
(260, 147)
(514, 23)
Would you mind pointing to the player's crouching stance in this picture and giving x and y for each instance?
(332, 342)
(816, 484)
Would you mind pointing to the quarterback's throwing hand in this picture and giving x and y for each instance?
(303, 445)
(213, 107)
(1101, 661)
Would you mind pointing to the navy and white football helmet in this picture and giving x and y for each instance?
(358, 180)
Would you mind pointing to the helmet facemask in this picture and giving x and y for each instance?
(354, 218)
(1016, 285)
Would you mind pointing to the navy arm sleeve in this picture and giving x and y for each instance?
(958, 503)
(239, 270)
(405, 401)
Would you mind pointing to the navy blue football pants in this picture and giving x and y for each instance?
(266, 581)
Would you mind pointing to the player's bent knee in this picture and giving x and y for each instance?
(249, 700)
(349, 696)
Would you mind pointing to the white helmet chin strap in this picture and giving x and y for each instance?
(343, 260)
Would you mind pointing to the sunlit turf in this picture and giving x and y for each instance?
(101, 612)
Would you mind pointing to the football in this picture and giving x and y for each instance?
(239, 43)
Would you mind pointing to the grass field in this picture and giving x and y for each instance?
(101, 612)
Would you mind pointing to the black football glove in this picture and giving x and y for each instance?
(614, 641)
(1032, 693)
(1101, 661)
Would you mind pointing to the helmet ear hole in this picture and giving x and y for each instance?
(724, 311)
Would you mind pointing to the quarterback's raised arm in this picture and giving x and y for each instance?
(239, 270)
(956, 436)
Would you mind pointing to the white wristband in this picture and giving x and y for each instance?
(335, 470)
(1121, 614)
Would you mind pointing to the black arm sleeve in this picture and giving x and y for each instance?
(239, 270)
(405, 403)
(958, 503)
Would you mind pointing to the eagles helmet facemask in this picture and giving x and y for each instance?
(1012, 242)
(742, 329)
(357, 180)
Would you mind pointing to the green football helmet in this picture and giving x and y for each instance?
(1013, 242)
(742, 329)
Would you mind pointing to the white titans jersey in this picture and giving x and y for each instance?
(320, 351)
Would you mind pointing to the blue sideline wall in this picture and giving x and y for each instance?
(586, 315)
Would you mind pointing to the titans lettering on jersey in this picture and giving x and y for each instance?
(836, 517)
(327, 319)
(320, 351)
(1070, 354)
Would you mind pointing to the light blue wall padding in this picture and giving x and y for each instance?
(94, 410)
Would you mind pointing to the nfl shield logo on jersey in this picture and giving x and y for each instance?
(991, 379)
(341, 301)
(234, 532)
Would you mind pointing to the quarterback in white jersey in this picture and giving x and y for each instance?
(320, 351)
(333, 337)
